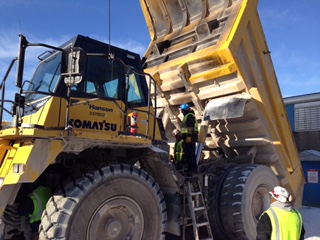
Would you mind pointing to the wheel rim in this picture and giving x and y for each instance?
(260, 201)
(117, 218)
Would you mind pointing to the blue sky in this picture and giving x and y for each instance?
(291, 28)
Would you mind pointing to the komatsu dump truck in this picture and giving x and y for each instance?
(94, 125)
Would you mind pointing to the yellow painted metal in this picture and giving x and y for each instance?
(96, 119)
(263, 86)
(4, 147)
(148, 17)
(223, 51)
(42, 135)
(19, 154)
(105, 119)
(50, 114)
(35, 156)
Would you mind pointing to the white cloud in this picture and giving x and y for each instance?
(298, 83)
(280, 15)
(133, 47)
(130, 45)
(9, 46)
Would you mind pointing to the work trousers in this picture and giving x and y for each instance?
(190, 156)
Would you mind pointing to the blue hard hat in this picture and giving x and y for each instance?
(185, 106)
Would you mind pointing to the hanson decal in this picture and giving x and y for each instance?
(87, 124)
(104, 109)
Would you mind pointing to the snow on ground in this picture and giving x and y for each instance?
(311, 221)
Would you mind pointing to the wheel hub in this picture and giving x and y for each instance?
(117, 218)
(260, 201)
(257, 204)
(113, 228)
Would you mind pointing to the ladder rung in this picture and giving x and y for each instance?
(202, 224)
(195, 193)
(199, 208)
(196, 204)
(188, 224)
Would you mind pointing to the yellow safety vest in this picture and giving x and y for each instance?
(187, 130)
(39, 197)
(285, 225)
(178, 151)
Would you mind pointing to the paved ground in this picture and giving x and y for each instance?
(311, 219)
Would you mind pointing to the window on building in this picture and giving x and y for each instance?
(307, 117)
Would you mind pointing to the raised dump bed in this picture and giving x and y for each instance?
(213, 55)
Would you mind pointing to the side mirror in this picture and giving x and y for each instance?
(22, 50)
(76, 62)
(18, 105)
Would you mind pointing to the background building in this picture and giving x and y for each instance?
(304, 115)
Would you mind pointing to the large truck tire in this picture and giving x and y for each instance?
(115, 202)
(239, 199)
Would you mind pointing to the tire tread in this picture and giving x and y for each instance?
(60, 207)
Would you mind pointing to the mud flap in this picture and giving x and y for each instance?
(169, 181)
(226, 107)
(173, 211)
(164, 156)
(1, 230)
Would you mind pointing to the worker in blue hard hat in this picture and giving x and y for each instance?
(189, 132)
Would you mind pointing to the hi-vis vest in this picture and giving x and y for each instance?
(178, 151)
(187, 130)
(285, 225)
(39, 197)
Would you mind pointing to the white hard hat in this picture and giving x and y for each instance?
(281, 194)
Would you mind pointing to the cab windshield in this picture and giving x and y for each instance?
(45, 79)
(108, 80)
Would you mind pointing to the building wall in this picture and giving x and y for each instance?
(290, 112)
(304, 116)
(307, 140)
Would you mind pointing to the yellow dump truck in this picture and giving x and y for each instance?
(214, 56)
(94, 125)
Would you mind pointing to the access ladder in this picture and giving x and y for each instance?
(197, 210)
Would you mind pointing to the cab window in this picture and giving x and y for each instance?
(101, 79)
(107, 79)
(135, 93)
